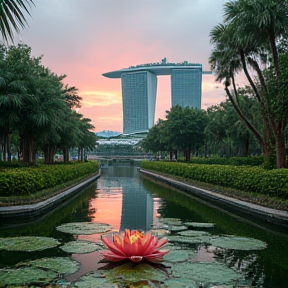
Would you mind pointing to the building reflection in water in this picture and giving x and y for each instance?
(137, 207)
(122, 201)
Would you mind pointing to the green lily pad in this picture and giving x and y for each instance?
(189, 240)
(160, 232)
(193, 233)
(84, 228)
(199, 225)
(80, 247)
(61, 265)
(172, 247)
(26, 275)
(181, 283)
(238, 243)
(206, 273)
(177, 228)
(130, 272)
(27, 243)
(171, 221)
(94, 279)
(179, 255)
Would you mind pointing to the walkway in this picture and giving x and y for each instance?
(265, 214)
(32, 210)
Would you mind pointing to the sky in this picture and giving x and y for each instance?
(84, 39)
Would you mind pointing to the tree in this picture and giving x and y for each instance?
(247, 41)
(36, 107)
(226, 134)
(155, 140)
(11, 16)
(185, 127)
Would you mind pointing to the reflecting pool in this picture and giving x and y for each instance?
(208, 247)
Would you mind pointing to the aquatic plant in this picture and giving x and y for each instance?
(27, 243)
(134, 246)
(84, 228)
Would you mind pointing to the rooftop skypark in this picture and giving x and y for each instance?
(165, 63)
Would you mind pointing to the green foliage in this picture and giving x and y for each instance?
(36, 108)
(252, 39)
(183, 130)
(12, 18)
(237, 161)
(29, 180)
(245, 178)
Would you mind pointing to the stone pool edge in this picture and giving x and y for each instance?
(269, 215)
(32, 210)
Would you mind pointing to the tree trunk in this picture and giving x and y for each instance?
(280, 151)
(66, 155)
(49, 153)
(82, 154)
(25, 149)
(187, 154)
(247, 146)
(5, 148)
(171, 155)
(79, 153)
(8, 149)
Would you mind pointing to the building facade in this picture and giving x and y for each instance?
(186, 87)
(139, 85)
(138, 100)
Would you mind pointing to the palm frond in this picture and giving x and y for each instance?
(11, 16)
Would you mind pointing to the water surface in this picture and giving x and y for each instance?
(125, 199)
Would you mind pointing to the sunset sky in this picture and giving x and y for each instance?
(86, 38)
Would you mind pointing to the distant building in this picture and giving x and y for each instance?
(186, 87)
(139, 85)
(139, 96)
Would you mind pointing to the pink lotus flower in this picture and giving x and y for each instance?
(133, 245)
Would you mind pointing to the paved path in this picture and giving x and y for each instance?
(38, 208)
(270, 215)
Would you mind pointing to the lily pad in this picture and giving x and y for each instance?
(80, 247)
(206, 273)
(61, 265)
(189, 240)
(160, 232)
(177, 228)
(181, 283)
(238, 243)
(94, 280)
(26, 275)
(199, 225)
(171, 221)
(130, 272)
(84, 228)
(172, 247)
(27, 243)
(179, 255)
(193, 233)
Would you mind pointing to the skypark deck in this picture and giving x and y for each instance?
(157, 69)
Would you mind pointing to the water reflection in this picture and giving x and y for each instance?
(137, 207)
(122, 184)
(124, 199)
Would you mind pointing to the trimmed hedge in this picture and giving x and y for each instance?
(245, 178)
(235, 161)
(29, 180)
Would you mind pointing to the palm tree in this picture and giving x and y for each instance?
(227, 59)
(252, 31)
(259, 20)
(11, 16)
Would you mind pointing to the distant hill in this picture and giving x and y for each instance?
(107, 134)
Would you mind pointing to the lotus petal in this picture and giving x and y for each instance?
(134, 246)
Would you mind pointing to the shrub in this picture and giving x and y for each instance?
(29, 180)
(245, 178)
